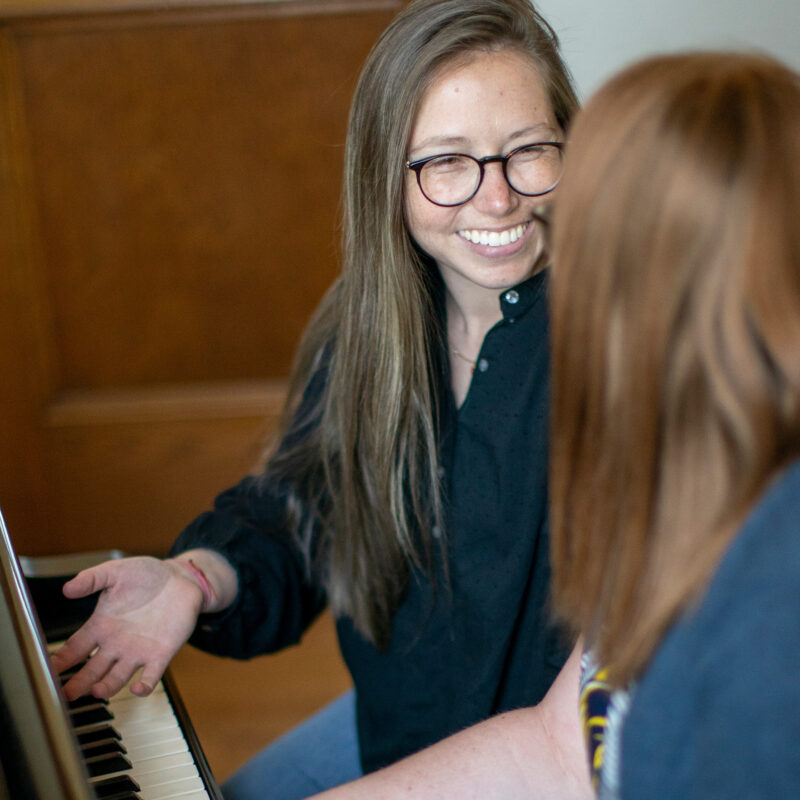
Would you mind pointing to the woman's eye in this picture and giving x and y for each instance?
(530, 153)
(447, 164)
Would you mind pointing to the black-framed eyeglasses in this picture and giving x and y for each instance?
(451, 179)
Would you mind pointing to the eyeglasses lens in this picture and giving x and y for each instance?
(534, 170)
(450, 180)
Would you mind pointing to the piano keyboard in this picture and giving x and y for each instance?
(134, 748)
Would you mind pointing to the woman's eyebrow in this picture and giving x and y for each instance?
(541, 129)
(440, 141)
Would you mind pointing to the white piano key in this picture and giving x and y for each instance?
(180, 790)
(161, 724)
(190, 795)
(151, 737)
(166, 738)
(165, 769)
(164, 777)
(146, 752)
(135, 709)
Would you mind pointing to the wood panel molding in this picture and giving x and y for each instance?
(213, 401)
(72, 10)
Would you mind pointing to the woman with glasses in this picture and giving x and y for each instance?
(675, 299)
(408, 490)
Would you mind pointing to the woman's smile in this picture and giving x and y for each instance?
(494, 238)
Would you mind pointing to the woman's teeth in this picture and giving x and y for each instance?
(494, 238)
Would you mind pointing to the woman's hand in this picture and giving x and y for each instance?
(146, 611)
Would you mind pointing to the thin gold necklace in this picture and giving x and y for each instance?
(471, 361)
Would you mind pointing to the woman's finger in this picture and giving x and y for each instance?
(114, 679)
(89, 581)
(92, 672)
(77, 648)
(151, 675)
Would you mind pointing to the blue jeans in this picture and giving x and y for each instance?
(318, 754)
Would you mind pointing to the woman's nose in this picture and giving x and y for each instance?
(495, 195)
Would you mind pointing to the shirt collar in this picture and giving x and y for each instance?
(520, 298)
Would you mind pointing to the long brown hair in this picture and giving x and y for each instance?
(676, 336)
(361, 465)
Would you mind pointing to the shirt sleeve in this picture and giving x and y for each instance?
(278, 598)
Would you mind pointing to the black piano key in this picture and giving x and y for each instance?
(97, 733)
(102, 747)
(85, 700)
(90, 716)
(109, 788)
(68, 673)
(106, 764)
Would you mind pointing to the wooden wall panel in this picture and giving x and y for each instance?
(185, 161)
(23, 370)
(169, 187)
(147, 480)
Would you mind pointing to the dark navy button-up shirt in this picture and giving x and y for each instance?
(461, 649)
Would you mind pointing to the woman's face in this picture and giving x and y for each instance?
(487, 106)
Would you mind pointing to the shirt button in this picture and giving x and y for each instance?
(440, 471)
(483, 365)
(436, 532)
(512, 296)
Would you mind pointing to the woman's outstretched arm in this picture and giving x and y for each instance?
(532, 754)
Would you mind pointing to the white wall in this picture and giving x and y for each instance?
(600, 36)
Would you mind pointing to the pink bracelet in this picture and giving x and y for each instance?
(206, 588)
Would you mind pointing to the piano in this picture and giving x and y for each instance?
(127, 748)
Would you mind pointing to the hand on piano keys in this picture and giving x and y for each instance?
(126, 748)
(146, 610)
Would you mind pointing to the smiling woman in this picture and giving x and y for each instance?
(675, 501)
(408, 489)
(466, 209)
(469, 212)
